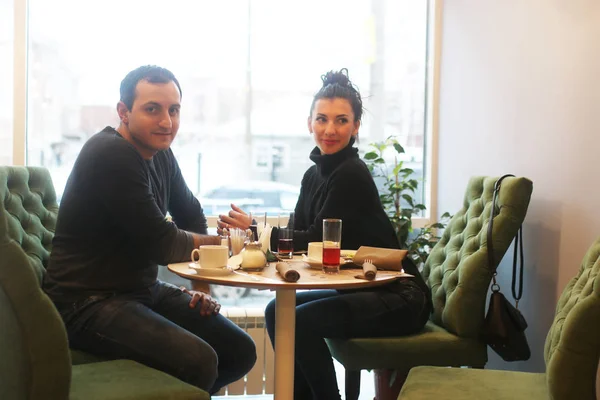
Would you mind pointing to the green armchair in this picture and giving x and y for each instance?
(572, 354)
(457, 273)
(36, 362)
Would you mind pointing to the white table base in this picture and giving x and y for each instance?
(285, 328)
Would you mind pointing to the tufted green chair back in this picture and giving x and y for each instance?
(28, 209)
(35, 362)
(572, 348)
(457, 268)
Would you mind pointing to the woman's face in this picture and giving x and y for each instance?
(332, 124)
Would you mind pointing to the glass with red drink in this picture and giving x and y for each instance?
(285, 243)
(332, 240)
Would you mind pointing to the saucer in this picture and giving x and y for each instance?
(318, 264)
(223, 271)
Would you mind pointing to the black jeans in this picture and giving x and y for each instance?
(324, 314)
(157, 327)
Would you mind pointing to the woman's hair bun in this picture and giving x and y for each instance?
(340, 77)
(337, 84)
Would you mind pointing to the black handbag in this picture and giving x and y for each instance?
(504, 326)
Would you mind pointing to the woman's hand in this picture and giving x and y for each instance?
(236, 218)
(208, 305)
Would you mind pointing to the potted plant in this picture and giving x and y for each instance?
(397, 194)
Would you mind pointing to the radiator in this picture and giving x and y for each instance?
(260, 379)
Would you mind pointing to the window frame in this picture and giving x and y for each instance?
(433, 56)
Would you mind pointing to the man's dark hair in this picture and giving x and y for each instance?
(148, 73)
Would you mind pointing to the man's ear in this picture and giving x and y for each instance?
(123, 112)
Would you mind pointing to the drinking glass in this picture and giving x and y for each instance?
(332, 240)
(259, 221)
(237, 237)
(285, 243)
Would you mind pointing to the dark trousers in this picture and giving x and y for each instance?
(324, 314)
(157, 327)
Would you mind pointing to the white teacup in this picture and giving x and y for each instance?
(315, 251)
(211, 256)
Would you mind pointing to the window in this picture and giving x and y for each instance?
(6, 81)
(248, 70)
(273, 158)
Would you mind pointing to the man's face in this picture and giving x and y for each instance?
(153, 120)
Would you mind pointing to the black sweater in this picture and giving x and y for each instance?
(111, 232)
(340, 185)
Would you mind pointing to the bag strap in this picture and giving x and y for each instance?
(519, 244)
(517, 254)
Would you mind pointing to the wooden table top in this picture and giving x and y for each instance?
(310, 278)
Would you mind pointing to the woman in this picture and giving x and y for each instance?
(340, 185)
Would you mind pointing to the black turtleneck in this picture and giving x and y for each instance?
(340, 185)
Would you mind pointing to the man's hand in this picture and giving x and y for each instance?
(236, 218)
(208, 305)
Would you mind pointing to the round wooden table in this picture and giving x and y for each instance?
(285, 308)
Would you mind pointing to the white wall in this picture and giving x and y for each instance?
(520, 93)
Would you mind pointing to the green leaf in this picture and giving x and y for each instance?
(407, 212)
(271, 257)
(398, 148)
(397, 169)
(408, 199)
(420, 207)
(370, 155)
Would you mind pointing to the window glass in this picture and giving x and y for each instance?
(6, 81)
(248, 71)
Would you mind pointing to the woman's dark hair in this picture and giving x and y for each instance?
(337, 84)
(148, 73)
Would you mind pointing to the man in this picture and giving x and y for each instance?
(111, 234)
